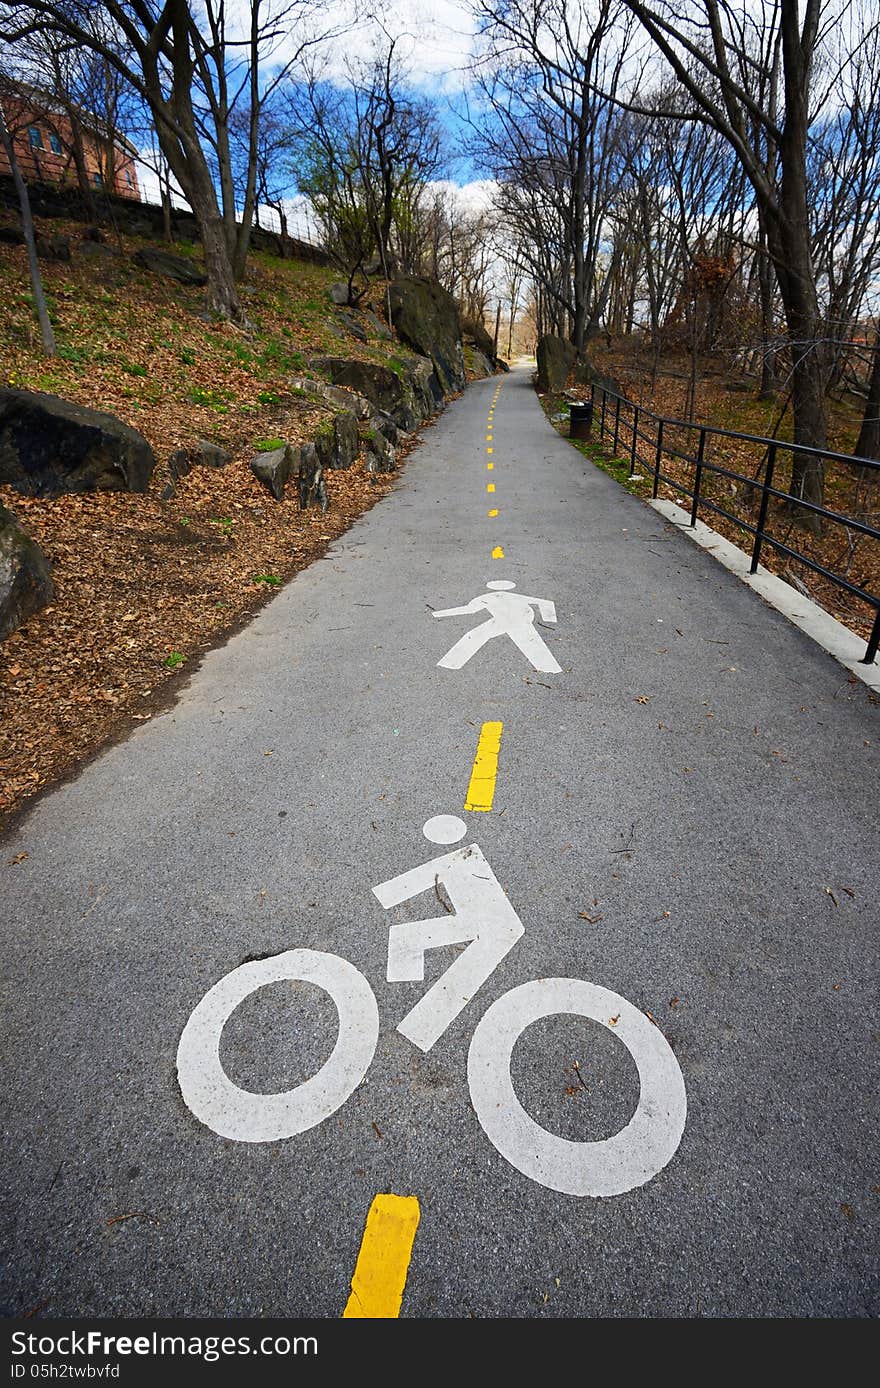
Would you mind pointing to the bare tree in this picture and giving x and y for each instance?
(749, 72)
(192, 68)
(27, 226)
(552, 144)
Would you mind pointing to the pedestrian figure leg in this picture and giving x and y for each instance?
(469, 644)
(535, 649)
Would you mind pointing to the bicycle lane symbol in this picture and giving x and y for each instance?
(485, 921)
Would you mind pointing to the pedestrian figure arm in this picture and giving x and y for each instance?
(459, 611)
(546, 608)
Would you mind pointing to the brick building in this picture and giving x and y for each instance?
(45, 137)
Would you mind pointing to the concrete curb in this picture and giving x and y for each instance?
(813, 620)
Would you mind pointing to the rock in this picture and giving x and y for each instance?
(379, 385)
(476, 364)
(338, 442)
(351, 324)
(273, 469)
(334, 395)
(425, 317)
(50, 446)
(208, 454)
(375, 266)
(585, 373)
(96, 250)
(179, 464)
(407, 390)
(53, 247)
(501, 364)
(419, 371)
(339, 293)
(93, 234)
(375, 326)
(476, 334)
(167, 492)
(346, 440)
(556, 358)
(25, 580)
(11, 236)
(310, 479)
(380, 454)
(386, 427)
(174, 267)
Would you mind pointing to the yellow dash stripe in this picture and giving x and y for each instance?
(490, 486)
(488, 438)
(498, 552)
(493, 513)
(490, 466)
(488, 450)
(383, 1261)
(481, 790)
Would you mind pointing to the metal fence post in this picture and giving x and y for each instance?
(765, 500)
(616, 424)
(873, 642)
(632, 456)
(698, 478)
(657, 457)
(604, 402)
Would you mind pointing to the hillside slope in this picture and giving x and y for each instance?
(145, 583)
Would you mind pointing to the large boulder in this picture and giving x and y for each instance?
(53, 247)
(426, 318)
(342, 396)
(476, 364)
(311, 485)
(49, 446)
(556, 359)
(379, 450)
(25, 581)
(402, 390)
(273, 469)
(338, 442)
(476, 335)
(173, 267)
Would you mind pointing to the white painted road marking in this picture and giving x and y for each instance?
(445, 828)
(510, 614)
(610, 1167)
(245, 1117)
(482, 915)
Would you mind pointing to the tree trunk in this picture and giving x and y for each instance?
(769, 383)
(27, 226)
(79, 163)
(868, 445)
(788, 243)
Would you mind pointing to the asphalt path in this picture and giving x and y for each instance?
(684, 817)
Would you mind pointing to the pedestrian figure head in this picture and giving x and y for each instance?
(500, 585)
(444, 828)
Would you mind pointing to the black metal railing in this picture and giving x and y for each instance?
(629, 426)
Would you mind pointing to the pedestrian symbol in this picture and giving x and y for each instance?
(510, 614)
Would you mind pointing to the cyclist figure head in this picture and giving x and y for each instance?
(500, 585)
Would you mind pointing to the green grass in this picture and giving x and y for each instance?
(268, 445)
(598, 454)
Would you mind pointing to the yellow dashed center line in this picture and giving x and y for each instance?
(383, 1261)
(490, 466)
(489, 450)
(481, 790)
(490, 486)
(493, 513)
(498, 552)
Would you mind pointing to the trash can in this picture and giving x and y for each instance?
(581, 420)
